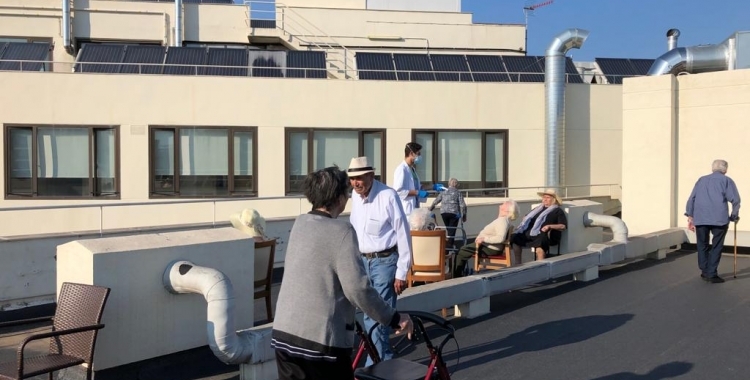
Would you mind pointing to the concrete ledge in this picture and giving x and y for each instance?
(444, 294)
(635, 247)
(671, 237)
(516, 277)
(609, 253)
(571, 263)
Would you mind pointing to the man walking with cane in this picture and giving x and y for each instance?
(708, 213)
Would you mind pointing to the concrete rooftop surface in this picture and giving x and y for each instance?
(643, 320)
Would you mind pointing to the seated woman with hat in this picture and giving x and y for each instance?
(541, 227)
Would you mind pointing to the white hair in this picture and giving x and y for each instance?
(419, 219)
(513, 210)
(452, 182)
(720, 166)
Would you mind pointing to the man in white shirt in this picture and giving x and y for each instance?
(406, 181)
(384, 241)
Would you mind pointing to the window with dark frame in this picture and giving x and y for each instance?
(203, 161)
(477, 158)
(310, 149)
(62, 161)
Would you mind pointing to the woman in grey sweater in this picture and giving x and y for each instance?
(452, 210)
(324, 280)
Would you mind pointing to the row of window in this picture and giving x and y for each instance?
(48, 161)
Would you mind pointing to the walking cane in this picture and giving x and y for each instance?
(735, 249)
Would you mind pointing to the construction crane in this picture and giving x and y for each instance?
(528, 10)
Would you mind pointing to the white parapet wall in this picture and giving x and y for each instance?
(142, 319)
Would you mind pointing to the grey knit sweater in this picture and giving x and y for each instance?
(324, 280)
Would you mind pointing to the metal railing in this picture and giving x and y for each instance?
(294, 26)
(149, 209)
(203, 70)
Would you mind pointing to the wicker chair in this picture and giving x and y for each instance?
(73, 336)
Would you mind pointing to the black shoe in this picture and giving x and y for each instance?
(704, 278)
(716, 280)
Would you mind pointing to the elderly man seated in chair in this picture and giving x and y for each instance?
(490, 240)
(541, 228)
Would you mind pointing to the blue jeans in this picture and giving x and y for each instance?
(709, 255)
(382, 275)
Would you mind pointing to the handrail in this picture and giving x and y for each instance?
(351, 72)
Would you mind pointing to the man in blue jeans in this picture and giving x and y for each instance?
(708, 213)
(384, 241)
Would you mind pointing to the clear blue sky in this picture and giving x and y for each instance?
(620, 28)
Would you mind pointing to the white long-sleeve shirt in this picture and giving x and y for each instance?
(405, 180)
(496, 232)
(380, 223)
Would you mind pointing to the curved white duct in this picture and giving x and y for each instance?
(185, 277)
(618, 227)
(694, 59)
(177, 23)
(554, 83)
(67, 43)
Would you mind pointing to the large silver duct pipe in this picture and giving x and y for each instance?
(67, 43)
(695, 59)
(554, 83)
(177, 23)
(672, 36)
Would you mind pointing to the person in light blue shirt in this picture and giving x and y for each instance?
(708, 213)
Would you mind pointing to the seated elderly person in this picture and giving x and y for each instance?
(541, 227)
(250, 222)
(490, 240)
(421, 220)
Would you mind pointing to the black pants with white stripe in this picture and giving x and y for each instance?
(293, 367)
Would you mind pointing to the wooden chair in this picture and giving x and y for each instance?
(495, 262)
(264, 256)
(72, 339)
(428, 258)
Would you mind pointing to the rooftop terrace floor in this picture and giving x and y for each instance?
(644, 320)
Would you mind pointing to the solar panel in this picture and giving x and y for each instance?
(641, 66)
(414, 67)
(153, 56)
(458, 69)
(487, 68)
(367, 63)
(299, 63)
(263, 24)
(100, 58)
(268, 63)
(615, 69)
(23, 51)
(524, 64)
(227, 57)
(188, 57)
(3, 45)
(573, 76)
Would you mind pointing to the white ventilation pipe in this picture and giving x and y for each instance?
(554, 84)
(618, 227)
(231, 348)
(177, 23)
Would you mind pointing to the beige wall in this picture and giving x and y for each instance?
(135, 102)
(673, 128)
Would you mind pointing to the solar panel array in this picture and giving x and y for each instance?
(154, 59)
(456, 68)
(615, 69)
(13, 53)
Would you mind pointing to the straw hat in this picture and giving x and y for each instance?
(250, 222)
(359, 166)
(552, 193)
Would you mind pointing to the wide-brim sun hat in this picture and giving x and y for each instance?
(552, 193)
(250, 222)
(359, 166)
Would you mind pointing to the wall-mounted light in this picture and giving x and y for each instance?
(385, 38)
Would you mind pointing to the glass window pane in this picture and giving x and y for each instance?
(63, 162)
(459, 156)
(373, 150)
(334, 147)
(243, 162)
(20, 160)
(495, 160)
(424, 169)
(204, 161)
(104, 146)
(297, 160)
(163, 146)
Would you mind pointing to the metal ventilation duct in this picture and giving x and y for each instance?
(554, 84)
(672, 35)
(66, 25)
(177, 23)
(733, 53)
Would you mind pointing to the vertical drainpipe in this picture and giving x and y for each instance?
(554, 85)
(67, 43)
(672, 35)
(177, 23)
